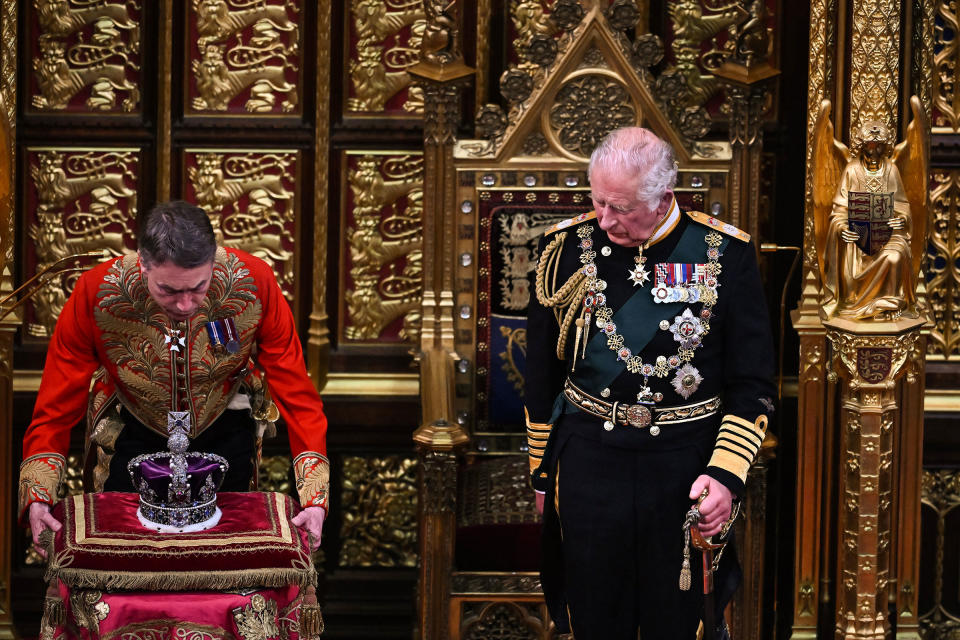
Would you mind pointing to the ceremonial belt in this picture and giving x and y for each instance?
(638, 415)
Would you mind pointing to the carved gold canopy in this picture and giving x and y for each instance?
(575, 81)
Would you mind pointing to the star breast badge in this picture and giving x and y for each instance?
(638, 275)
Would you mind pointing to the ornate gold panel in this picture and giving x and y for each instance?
(384, 41)
(946, 73)
(582, 74)
(253, 200)
(244, 57)
(379, 510)
(875, 63)
(503, 620)
(941, 495)
(688, 85)
(381, 247)
(820, 80)
(943, 263)
(87, 57)
(77, 200)
(275, 474)
(586, 109)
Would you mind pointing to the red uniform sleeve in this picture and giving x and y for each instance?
(62, 398)
(280, 355)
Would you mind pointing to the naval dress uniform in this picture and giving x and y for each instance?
(646, 367)
(116, 359)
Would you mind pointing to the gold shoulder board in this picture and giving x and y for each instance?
(569, 222)
(719, 225)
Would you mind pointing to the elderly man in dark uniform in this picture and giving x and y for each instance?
(649, 380)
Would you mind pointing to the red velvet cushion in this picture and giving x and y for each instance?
(102, 545)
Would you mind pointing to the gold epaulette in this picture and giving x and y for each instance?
(569, 222)
(719, 225)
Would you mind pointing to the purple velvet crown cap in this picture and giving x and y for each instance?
(164, 506)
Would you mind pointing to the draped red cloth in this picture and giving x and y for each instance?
(197, 615)
(110, 577)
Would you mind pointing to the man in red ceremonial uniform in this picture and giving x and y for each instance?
(183, 325)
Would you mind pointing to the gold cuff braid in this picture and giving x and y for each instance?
(40, 478)
(537, 436)
(738, 443)
(311, 470)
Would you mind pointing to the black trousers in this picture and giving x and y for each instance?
(621, 512)
(232, 436)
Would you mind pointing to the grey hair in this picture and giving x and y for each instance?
(638, 151)
(177, 232)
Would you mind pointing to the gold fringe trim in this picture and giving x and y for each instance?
(180, 580)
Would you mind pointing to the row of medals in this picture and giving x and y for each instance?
(687, 329)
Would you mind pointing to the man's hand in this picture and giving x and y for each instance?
(897, 222)
(715, 508)
(311, 519)
(540, 497)
(40, 520)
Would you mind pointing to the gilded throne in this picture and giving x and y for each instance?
(579, 77)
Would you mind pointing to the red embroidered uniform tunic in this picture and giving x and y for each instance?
(112, 331)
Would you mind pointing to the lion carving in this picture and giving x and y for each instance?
(58, 82)
(58, 18)
(56, 190)
(214, 191)
(218, 85)
(215, 21)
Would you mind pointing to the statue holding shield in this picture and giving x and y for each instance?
(870, 219)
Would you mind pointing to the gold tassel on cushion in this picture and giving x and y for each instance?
(311, 617)
(54, 613)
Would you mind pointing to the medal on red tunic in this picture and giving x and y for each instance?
(223, 334)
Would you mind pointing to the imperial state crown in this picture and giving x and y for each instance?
(178, 488)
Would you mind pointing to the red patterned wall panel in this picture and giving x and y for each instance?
(384, 41)
(380, 247)
(85, 56)
(75, 201)
(243, 57)
(253, 200)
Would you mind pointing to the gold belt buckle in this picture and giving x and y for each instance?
(638, 415)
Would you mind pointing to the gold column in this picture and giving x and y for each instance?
(318, 341)
(8, 329)
(165, 108)
(875, 62)
(747, 77)
(871, 356)
(813, 444)
(812, 531)
(8, 101)
(908, 470)
(442, 74)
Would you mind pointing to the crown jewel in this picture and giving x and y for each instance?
(178, 488)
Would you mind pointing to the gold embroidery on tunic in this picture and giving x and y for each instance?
(134, 329)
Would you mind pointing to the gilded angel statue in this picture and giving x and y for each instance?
(870, 218)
